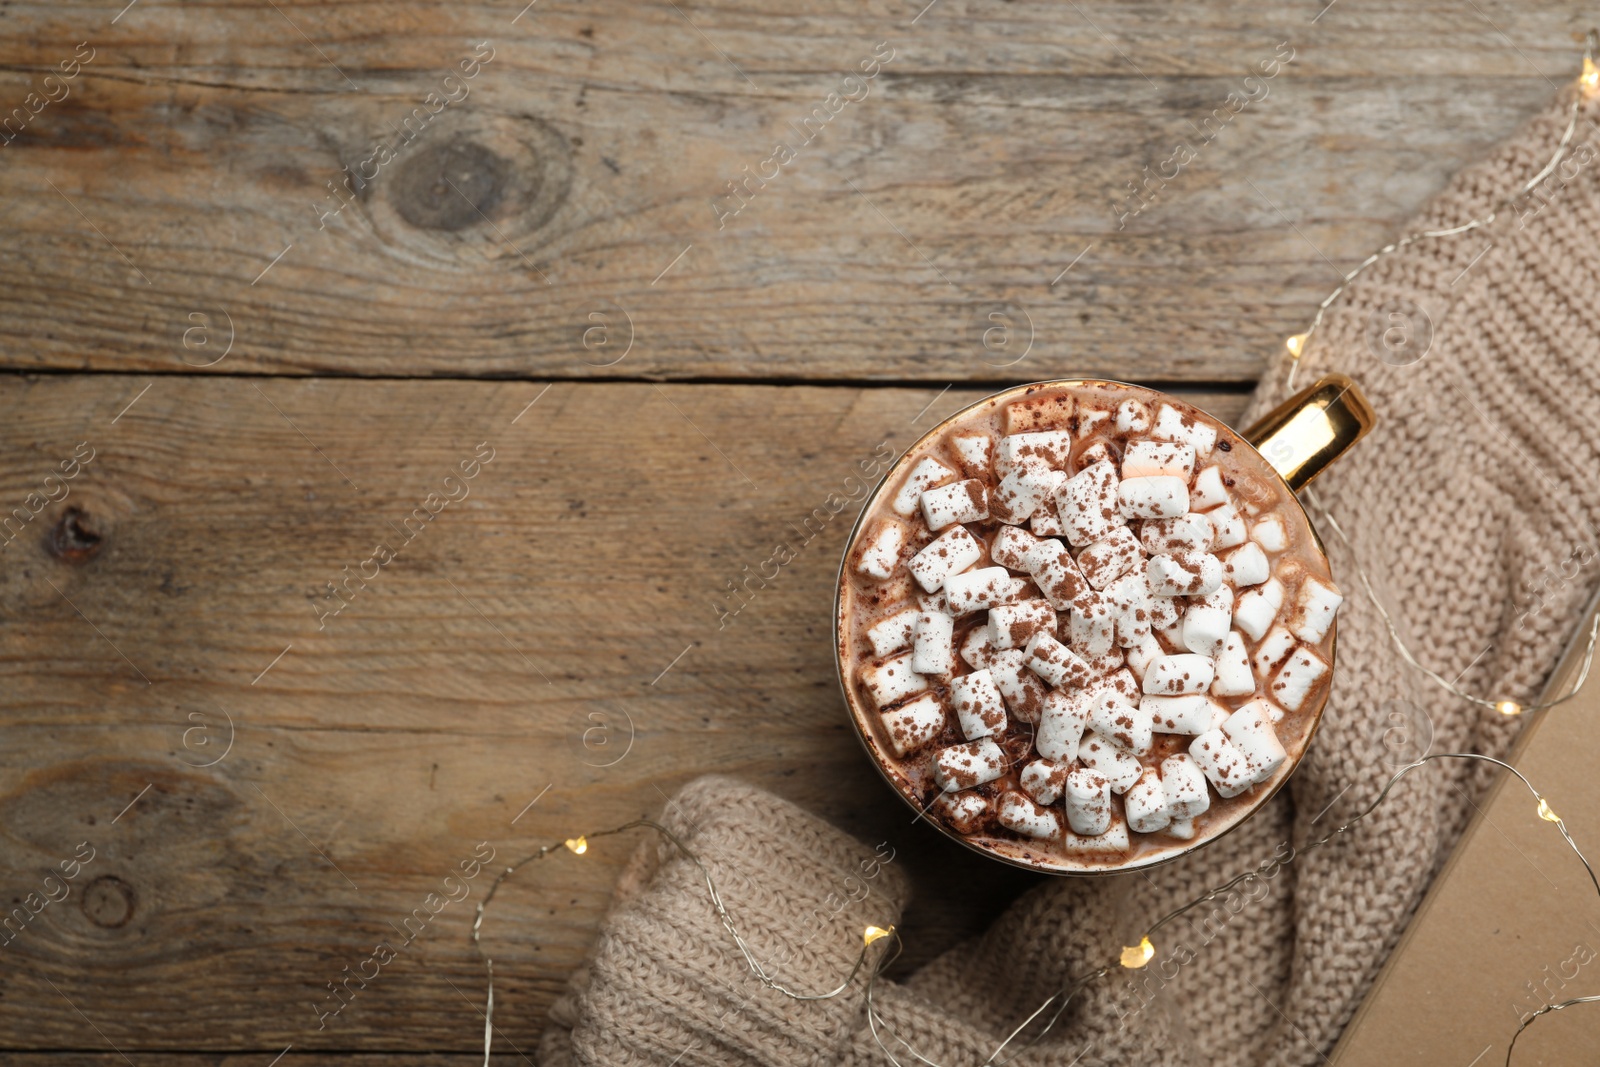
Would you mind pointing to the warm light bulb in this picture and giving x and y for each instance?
(578, 845)
(1590, 78)
(1545, 813)
(874, 933)
(1296, 344)
(1508, 707)
(1138, 955)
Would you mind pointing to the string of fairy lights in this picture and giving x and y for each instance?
(1138, 956)
(1588, 88)
(1133, 957)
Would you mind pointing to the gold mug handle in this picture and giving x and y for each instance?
(1303, 435)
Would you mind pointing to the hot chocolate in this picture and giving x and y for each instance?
(1085, 626)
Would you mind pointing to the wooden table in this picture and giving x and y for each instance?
(542, 274)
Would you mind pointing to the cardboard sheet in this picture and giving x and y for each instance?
(1512, 922)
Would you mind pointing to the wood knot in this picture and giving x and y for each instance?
(74, 538)
(108, 901)
(472, 190)
(451, 186)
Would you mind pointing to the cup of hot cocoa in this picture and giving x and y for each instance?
(1085, 627)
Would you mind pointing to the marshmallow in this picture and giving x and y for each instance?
(1016, 591)
(1088, 803)
(925, 474)
(1012, 625)
(978, 705)
(1087, 502)
(880, 549)
(967, 766)
(1023, 692)
(947, 505)
(1221, 763)
(1208, 491)
(1018, 813)
(1160, 497)
(1255, 610)
(1061, 726)
(1148, 459)
(1250, 730)
(976, 648)
(1111, 557)
(1179, 675)
(1133, 417)
(1106, 664)
(1182, 829)
(1228, 527)
(1272, 651)
(1091, 625)
(1121, 682)
(1117, 765)
(1146, 804)
(892, 634)
(1172, 636)
(914, 724)
(1185, 786)
(1043, 781)
(974, 451)
(1131, 600)
(1207, 621)
(1185, 533)
(1124, 724)
(1114, 842)
(892, 680)
(1219, 714)
(1022, 492)
(1089, 420)
(1193, 714)
(1315, 606)
(1184, 574)
(1270, 533)
(1297, 677)
(966, 812)
(1142, 653)
(1234, 676)
(933, 650)
(1056, 573)
(1046, 522)
(1009, 547)
(1052, 447)
(1056, 663)
(1166, 613)
(977, 589)
(950, 553)
(1038, 413)
(1174, 425)
(1247, 565)
(1095, 453)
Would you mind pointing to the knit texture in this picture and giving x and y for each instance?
(1472, 507)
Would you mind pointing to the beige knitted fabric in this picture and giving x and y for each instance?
(1472, 506)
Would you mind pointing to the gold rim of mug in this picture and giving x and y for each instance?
(857, 717)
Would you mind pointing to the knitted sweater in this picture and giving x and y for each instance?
(1471, 506)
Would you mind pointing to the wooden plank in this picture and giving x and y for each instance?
(266, 1058)
(590, 232)
(571, 592)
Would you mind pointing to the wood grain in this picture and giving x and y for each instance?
(373, 756)
(165, 230)
(266, 1058)
(582, 239)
